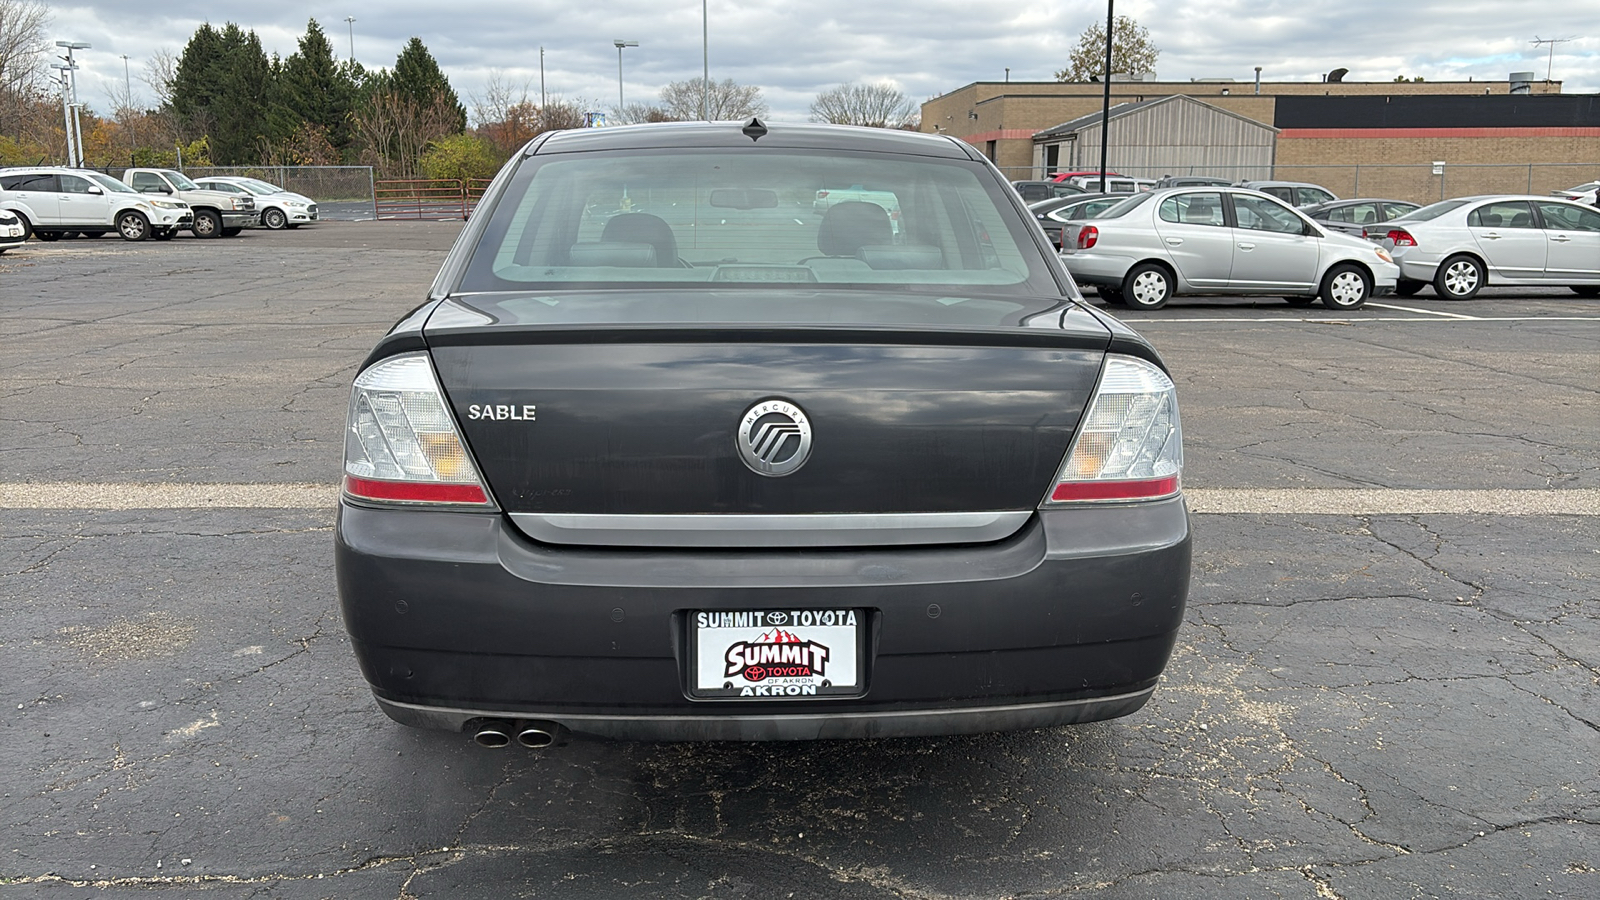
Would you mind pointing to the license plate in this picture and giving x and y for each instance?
(776, 653)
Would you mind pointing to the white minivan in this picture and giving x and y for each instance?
(55, 202)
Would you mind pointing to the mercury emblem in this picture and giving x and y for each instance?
(774, 437)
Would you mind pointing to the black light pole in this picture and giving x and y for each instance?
(1105, 104)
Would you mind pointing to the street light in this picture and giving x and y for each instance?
(76, 126)
(66, 108)
(351, 21)
(620, 43)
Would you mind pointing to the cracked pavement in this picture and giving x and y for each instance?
(1373, 706)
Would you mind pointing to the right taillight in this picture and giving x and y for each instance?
(401, 444)
(1088, 236)
(1402, 238)
(1130, 444)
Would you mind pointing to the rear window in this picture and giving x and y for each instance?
(1433, 211)
(1122, 207)
(777, 218)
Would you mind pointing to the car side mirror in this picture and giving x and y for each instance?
(95, 190)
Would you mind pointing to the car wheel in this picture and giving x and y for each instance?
(231, 232)
(1586, 290)
(1300, 301)
(133, 226)
(1459, 278)
(27, 227)
(1405, 287)
(207, 224)
(1346, 286)
(274, 219)
(1110, 295)
(1147, 286)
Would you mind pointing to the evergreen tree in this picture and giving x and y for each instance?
(417, 78)
(221, 88)
(315, 90)
(194, 83)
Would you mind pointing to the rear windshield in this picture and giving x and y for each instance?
(1432, 212)
(1121, 208)
(776, 218)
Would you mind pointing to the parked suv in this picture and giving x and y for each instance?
(1294, 193)
(55, 202)
(215, 214)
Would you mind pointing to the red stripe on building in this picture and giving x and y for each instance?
(1371, 133)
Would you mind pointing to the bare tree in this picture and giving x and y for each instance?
(880, 105)
(23, 59)
(160, 71)
(725, 99)
(638, 113)
(560, 115)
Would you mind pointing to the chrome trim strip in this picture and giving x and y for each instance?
(744, 530)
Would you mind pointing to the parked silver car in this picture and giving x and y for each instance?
(1216, 240)
(1461, 245)
(279, 208)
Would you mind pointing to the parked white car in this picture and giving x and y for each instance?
(279, 208)
(1583, 193)
(12, 234)
(215, 215)
(55, 202)
(1461, 245)
(1216, 240)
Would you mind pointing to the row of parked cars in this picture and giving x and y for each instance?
(1143, 249)
(51, 203)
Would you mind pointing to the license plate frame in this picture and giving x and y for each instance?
(808, 654)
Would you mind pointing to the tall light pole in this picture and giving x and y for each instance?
(351, 21)
(620, 43)
(705, 64)
(127, 105)
(66, 109)
(1105, 106)
(77, 123)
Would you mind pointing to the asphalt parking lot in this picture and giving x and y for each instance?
(1388, 685)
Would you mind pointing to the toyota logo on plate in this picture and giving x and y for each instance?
(774, 437)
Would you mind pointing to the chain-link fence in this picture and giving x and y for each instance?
(343, 193)
(1417, 183)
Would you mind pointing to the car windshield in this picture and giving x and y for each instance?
(182, 183)
(110, 184)
(1432, 211)
(777, 219)
(258, 187)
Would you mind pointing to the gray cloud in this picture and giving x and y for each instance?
(794, 50)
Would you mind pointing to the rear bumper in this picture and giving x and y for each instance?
(1088, 267)
(456, 617)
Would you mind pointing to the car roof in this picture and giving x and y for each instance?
(1283, 184)
(695, 135)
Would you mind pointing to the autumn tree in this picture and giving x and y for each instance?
(1131, 51)
(880, 105)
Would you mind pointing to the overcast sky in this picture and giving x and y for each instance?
(793, 49)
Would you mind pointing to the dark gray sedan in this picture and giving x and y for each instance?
(663, 456)
(1354, 217)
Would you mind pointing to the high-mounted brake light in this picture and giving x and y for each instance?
(1088, 236)
(1402, 238)
(401, 444)
(1130, 443)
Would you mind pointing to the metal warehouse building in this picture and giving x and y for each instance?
(1171, 135)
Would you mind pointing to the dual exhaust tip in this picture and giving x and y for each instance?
(534, 735)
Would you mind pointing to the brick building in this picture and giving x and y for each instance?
(1355, 137)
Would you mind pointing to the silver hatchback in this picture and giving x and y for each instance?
(1215, 240)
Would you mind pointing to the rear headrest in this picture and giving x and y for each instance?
(850, 225)
(612, 253)
(644, 228)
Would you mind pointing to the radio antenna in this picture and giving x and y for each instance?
(1550, 65)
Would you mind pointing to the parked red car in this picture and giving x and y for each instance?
(1063, 176)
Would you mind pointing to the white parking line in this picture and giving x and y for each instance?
(1425, 312)
(1361, 320)
(1226, 501)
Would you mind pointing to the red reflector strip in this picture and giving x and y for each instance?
(414, 491)
(1115, 490)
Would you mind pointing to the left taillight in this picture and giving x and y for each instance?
(401, 444)
(1130, 444)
